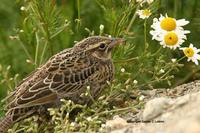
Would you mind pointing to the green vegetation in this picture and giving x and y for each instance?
(31, 31)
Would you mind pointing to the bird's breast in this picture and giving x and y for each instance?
(106, 71)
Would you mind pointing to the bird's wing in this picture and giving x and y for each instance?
(60, 76)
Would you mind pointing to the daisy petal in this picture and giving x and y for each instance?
(182, 22)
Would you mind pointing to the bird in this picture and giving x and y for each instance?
(66, 75)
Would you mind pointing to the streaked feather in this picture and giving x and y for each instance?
(65, 75)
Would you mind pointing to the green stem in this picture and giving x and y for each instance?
(37, 48)
(44, 25)
(150, 82)
(8, 84)
(176, 6)
(181, 58)
(157, 51)
(165, 74)
(26, 51)
(145, 36)
(116, 110)
(43, 51)
(79, 16)
(107, 98)
(78, 6)
(163, 77)
(126, 60)
(59, 30)
(132, 20)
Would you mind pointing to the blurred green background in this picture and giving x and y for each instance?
(82, 15)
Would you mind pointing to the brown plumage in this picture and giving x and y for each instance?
(65, 75)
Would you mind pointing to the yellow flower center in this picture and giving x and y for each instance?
(171, 39)
(189, 52)
(146, 12)
(168, 24)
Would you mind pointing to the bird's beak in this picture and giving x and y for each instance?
(116, 42)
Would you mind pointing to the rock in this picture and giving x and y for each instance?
(155, 107)
(180, 114)
(116, 123)
(123, 130)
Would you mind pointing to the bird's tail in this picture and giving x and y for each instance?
(5, 123)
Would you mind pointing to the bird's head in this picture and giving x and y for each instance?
(98, 46)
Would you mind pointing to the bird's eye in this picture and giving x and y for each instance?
(102, 46)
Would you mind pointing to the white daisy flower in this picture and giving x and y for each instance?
(144, 13)
(89, 119)
(22, 8)
(161, 71)
(172, 39)
(135, 81)
(141, 98)
(192, 53)
(123, 70)
(101, 27)
(165, 23)
(21, 31)
(173, 60)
